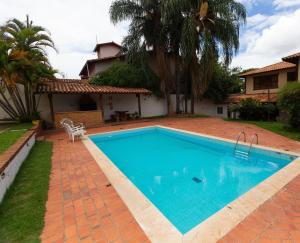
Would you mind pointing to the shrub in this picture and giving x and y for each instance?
(269, 112)
(128, 75)
(251, 109)
(289, 101)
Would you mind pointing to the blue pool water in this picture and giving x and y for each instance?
(187, 177)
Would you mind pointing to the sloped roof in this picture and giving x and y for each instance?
(270, 68)
(112, 43)
(99, 60)
(78, 86)
(292, 58)
(236, 98)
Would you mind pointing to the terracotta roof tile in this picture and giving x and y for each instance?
(73, 86)
(270, 68)
(296, 55)
(236, 98)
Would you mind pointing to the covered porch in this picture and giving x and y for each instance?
(85, 103)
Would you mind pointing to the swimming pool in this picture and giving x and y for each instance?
(187, 177)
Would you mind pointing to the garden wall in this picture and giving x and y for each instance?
(12, 159)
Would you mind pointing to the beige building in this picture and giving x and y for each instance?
(107, 54)
(264, 83)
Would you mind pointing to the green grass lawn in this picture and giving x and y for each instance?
(11, 135)
(23, 208)
(275, 127)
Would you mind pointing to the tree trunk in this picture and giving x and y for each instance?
(5, 103)
(192, 103)
(177, 85)
(168, 103)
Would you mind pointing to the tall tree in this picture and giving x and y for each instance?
(28, 42)
(210, 30)
(146, 36)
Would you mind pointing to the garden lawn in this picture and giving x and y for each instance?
(11, 135)
(23, 208)
(275, 127)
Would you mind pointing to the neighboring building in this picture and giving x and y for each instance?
(264, 83)
(107, 54)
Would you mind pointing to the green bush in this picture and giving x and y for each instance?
(289, 101)
(253, 110)
(250, 109)
(128, 75)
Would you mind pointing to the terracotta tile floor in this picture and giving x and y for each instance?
(83, 207)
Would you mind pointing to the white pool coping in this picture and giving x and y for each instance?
(158, 228)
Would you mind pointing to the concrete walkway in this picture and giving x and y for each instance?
(83, 207)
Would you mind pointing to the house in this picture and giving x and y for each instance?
(107, 54)
(264, 83)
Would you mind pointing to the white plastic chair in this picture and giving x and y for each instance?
(71, 123)
(73, 130)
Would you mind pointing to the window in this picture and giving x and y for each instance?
(266, 82)
(291, 76)
(220, 110)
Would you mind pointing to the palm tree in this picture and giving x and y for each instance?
(31, 42)
(146, 36)
(210, 30)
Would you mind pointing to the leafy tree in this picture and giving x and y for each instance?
(289, 101)
(128, 75)
(224, 81)
(23, 63)
(198, 31)
(147, 36)
(210, 29)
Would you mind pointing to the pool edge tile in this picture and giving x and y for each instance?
(155, 225)
(159, 229)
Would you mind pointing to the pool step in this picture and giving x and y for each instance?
(241, 154)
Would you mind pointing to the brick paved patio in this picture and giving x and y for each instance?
(83, 207)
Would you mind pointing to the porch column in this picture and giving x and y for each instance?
(101, 107)
(50, 97)
(139, 105)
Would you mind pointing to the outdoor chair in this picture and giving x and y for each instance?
(73, 130)
(71, 123)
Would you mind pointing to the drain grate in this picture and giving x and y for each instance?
(197, 180)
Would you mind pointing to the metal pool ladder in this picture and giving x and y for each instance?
(252, 141)
(242, 154)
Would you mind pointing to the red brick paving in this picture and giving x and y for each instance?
(81, 205)
(81, 208)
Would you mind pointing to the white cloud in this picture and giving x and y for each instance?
(281, 4)
(268, 45)
(74, 25)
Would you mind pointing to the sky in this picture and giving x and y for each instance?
(272, 30)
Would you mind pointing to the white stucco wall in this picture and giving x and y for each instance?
(150, 105)
(9, 174)
(204, 106)
(209, 108)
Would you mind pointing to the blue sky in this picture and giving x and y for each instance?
(272, 32)
(272, 29)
